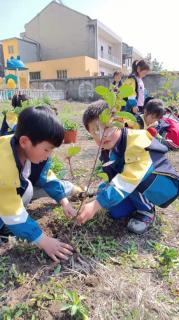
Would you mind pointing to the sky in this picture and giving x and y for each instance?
(151, 26)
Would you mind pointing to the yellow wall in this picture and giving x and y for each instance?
(10, 42)
(76, 67)
(91, 67)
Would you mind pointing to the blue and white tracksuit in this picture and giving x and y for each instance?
(140, 176)
(16, 190)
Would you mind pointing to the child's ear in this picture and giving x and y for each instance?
(24, 141)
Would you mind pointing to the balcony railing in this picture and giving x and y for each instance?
(109, 57)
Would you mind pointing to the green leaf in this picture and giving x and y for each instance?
(110, 98)
(126, 91)
(105, 117)
(66, 307)
(117, 124)
(57, 269)
(103, 176)
(101, 90)
(126, 115)
(73, 151)
(18, 313)
(120, 102)
(69, 294)
(69, 125)
(74, 310)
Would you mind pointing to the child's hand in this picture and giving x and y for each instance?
(87, 212)
(55, 249)
(135, 109)
(69, 211)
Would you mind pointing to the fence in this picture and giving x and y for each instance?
(33, 93)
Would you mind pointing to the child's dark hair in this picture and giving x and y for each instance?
(39, 124)
(116, 73)
(93, 111)
(140, 63)
(155, 106)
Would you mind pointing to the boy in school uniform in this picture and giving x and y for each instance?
(137, 169)
(24, 162)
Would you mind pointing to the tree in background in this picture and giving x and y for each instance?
(154, 64)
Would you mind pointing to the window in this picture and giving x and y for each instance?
(61, 74)
(109, 50)
(101, 51)
(10, 49)
(128, 62)
(35, 75)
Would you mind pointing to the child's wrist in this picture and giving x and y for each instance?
(42, 241)
(97, 206)
(64, 202)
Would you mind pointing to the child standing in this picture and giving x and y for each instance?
(117, 83)
(140, 69)
(138, 170)
(25, 162)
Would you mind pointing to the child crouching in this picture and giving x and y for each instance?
(138, 170)
(24, 162)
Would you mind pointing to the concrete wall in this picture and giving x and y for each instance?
(82, 89)
(62, 33)
(155, 81)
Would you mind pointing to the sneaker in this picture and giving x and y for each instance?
(141, 222)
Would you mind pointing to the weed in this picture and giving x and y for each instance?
(96, 247)
(167, 258)
(19, 278)
(58, 168)
(21, 309)
(60, 217)
(74, 305)
(51, 291)
(176, 205)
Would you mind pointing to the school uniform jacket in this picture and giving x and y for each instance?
(138, 160)
(13, 186)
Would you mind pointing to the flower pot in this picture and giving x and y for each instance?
(70, 136)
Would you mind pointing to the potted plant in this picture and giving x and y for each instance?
(70, 131)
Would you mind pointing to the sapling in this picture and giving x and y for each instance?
(110, 117)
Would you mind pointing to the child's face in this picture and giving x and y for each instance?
(117, 77)
(38, 153)
(109, 137)
(142, 73)
(150, 118)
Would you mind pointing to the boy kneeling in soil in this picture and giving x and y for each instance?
(24, 162)
(140, 176)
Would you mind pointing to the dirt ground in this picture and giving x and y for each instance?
(120, 275)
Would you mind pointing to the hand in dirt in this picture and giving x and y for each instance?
(87, 212)
(135, 109)
(55, 249)
(69, 211)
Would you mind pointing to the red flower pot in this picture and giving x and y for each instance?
(70, 136)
